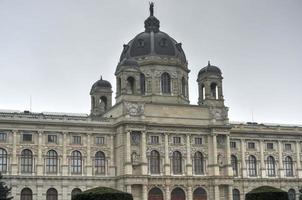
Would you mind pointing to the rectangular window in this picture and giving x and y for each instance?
(154, 139)
(251, 145)
(288, 147)
(270, 146)
(198, 140)
(100, 140)
(3, 137)
(52, 138)
(176, 140)
(27, 137)
(233, 145)
(76, 139)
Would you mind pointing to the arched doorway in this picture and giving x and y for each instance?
(178, 194)
(199, 194)
(155, 194)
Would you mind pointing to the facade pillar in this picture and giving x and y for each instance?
(128, 164)
(128, 188)
(40, 164)
(299, 170)
(111, 164)
(14, 164)
(215, 166)
(230, 192)
(189, 159)
(281, 172)
(228, 154)
(64, 156)
(189, 193)
(216, 192)
(167, 158)
(243, 164)
(144, 162)
(167, 193)
(88, 160)
(262, 164)
(145, 193)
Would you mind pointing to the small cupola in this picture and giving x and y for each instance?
(210, 86)
(101, 97)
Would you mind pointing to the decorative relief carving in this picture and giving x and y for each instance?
(134, 109)
(218, 113)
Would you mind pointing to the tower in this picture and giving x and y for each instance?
(101, 97)
(210, 86)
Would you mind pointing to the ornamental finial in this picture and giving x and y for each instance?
(209, 63)
(151, 8)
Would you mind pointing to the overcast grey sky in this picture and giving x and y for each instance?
(54, 50)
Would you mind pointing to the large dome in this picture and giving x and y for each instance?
(153, 42)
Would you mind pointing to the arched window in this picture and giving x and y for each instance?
(52, 194)
(26, 161)
(291, 194)
(177, 162)
(76, 162)
(178, 194)
(199, 194)
(288, 163)
(270, 166)
(130, 85)
(74, 192)
(3, 160)
(142, 83)
(26, 194)
(154, 162)
(165, 83)
(236, 194)
(103, 103)
(198, 163)
(100, 163)
(203, 92)
(155, 194)
(183, 86)
(214, 90)
(252, 166)
(234, 163)
(52, 162)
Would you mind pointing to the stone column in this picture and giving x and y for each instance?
(189, 159)
(111, 164)
(64, 156)
(228, 154)
(167, 193)
(144, 162)
(230, 192)
(14, 163)
(216, 192)
(128, 188)
(189, 193)
(215, 164)
(262, 164)
(243, 164)
(299, 170)
(128, 164)
(145, 193)
(40, 163)
(167, 158)
(88, 159)
(281, 171)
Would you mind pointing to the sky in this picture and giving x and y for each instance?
(52, 51)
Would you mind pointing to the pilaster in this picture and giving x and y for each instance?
(228, 155)
(262, 164)
(189, 193)
(14, 164)
(299, 170)
(144, 163)
(281, 171)
(167, 159)
(167, 193)
(128, 164)
(216, 192)
(64, 156)
(88, 160)
(145, 193)
(189, 160)
(39, 163)
(111, 164)
(230, 192)
(243, 164)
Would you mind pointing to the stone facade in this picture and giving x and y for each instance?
(152, 142)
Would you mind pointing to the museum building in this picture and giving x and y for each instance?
(152, 142)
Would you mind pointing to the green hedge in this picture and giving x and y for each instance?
(103, 193)
(266, 193)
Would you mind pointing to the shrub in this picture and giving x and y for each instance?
(103, 193)
(266, 193)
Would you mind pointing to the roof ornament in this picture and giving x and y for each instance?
(101, 77)
(209, 63)
(151, 8)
